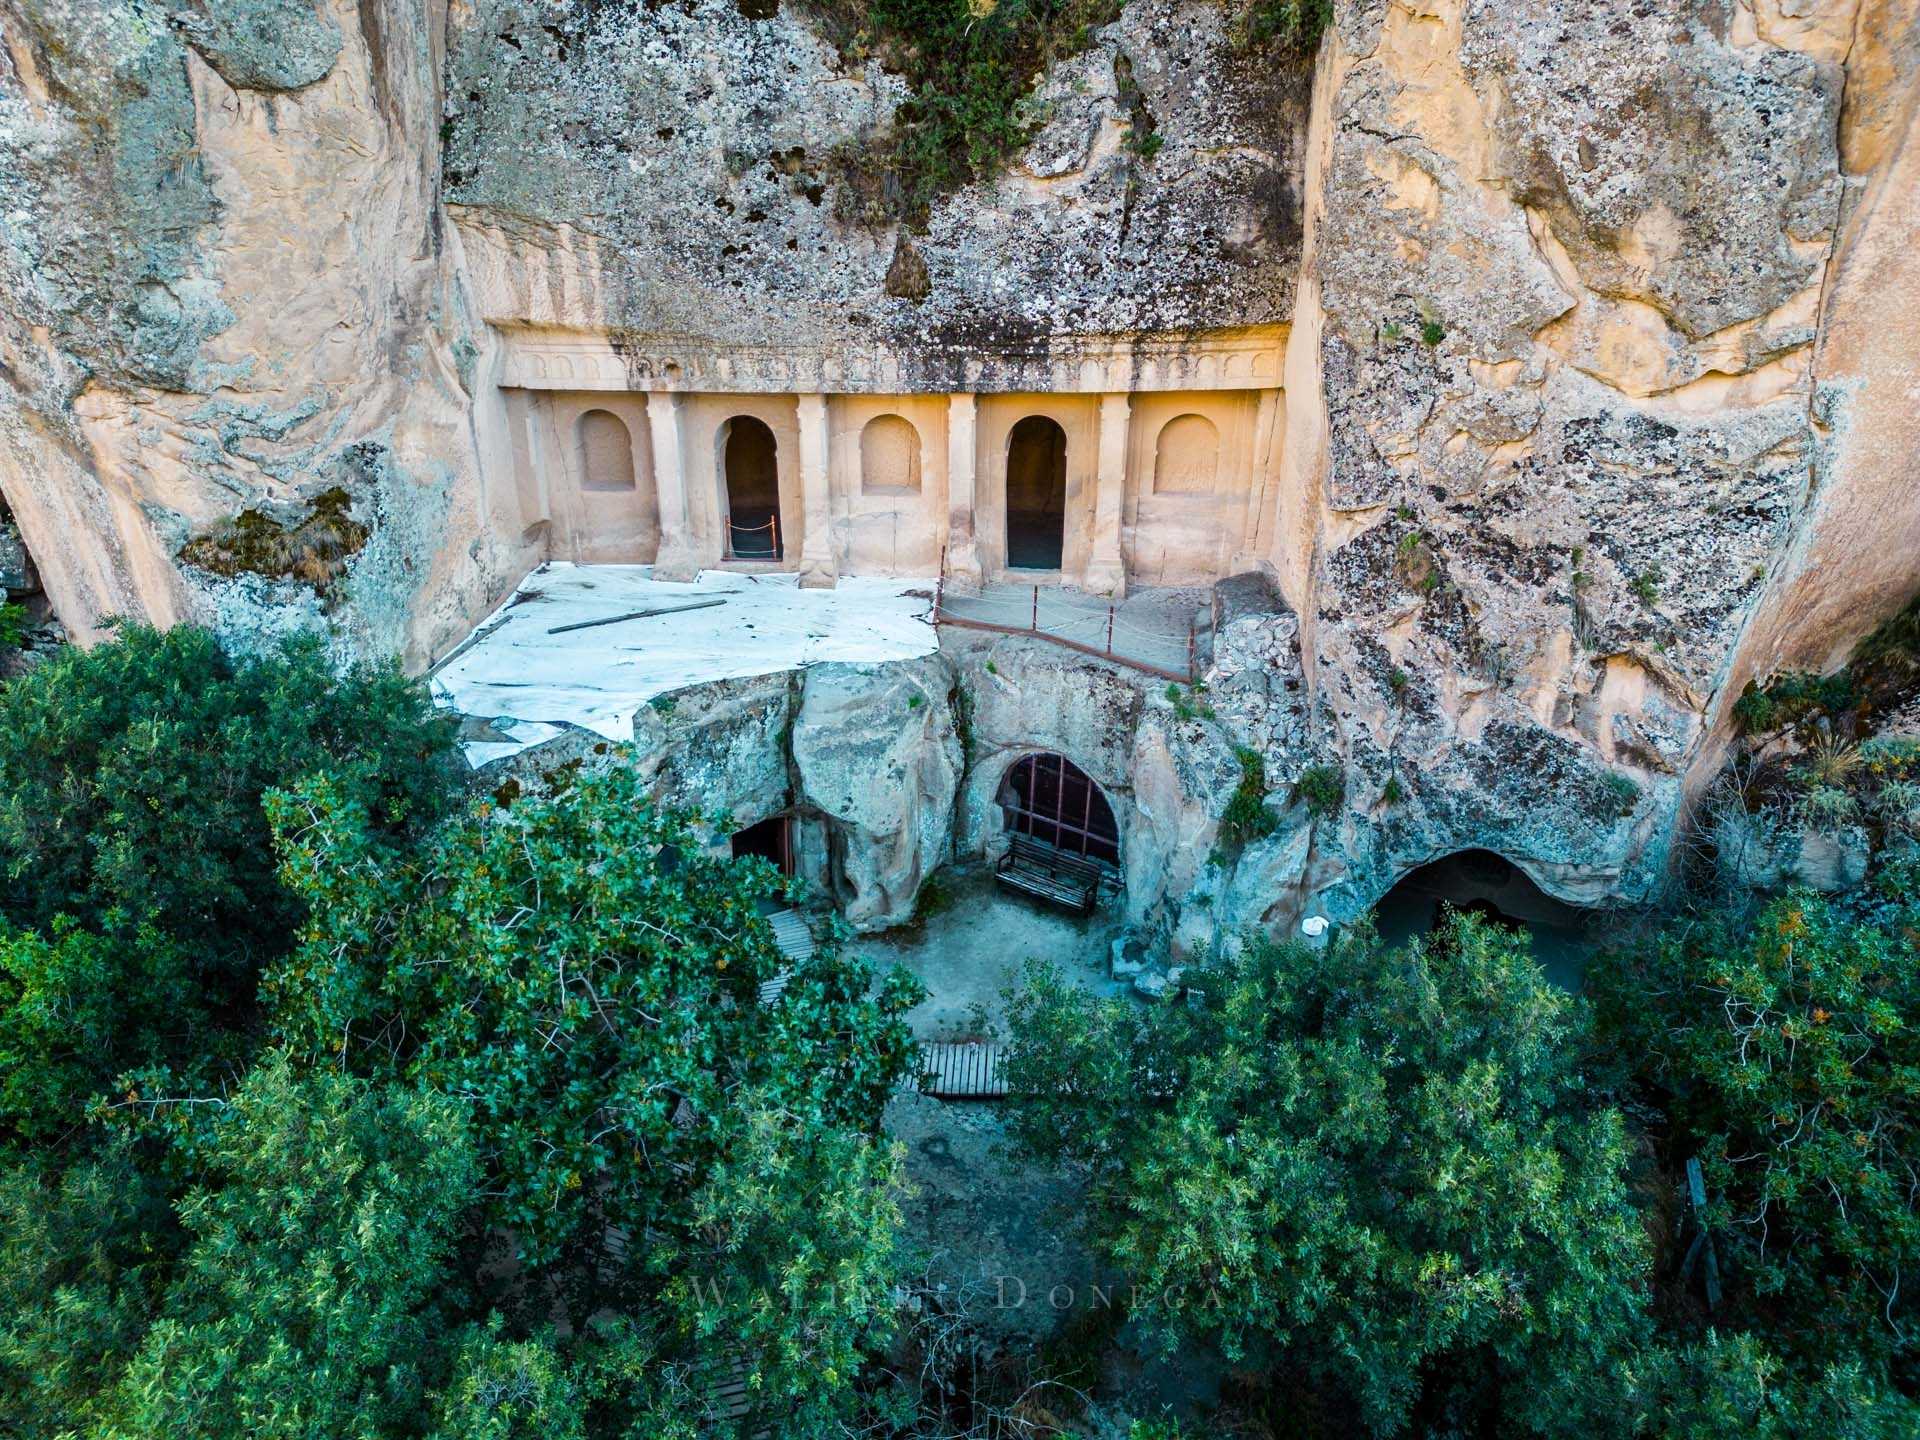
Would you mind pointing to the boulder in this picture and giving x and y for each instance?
(876, 753)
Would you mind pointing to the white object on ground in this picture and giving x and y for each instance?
(530, 682)
(1314, 926)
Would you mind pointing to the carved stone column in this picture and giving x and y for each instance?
(676, 560)
(817, 570)
(963, 546)
(1106, 572)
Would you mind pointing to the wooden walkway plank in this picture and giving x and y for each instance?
(963, 1070)
(794, 940)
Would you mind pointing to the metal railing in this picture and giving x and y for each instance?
(1075, 622)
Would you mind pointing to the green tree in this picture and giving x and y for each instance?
(1379, 1165)
(505, 1389)
(131, 777)
(1784, 1050)
(584, 978)
(85, 1252)
(78, 1009)
(1720, 1386)
(310, 1303)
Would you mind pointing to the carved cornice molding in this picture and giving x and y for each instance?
(1249, 359)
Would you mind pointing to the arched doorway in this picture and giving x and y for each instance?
(1046, 797)
(1483, 883)
(771, 840)
(753, 491)
(1036, 494)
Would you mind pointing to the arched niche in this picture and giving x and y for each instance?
(605, 447)
(1490, 885)
(889, 456)
(1048, 798)
(1186, 460)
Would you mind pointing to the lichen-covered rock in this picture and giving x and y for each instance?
(703, 170)
(1598, 390)
(1568, 261)
(875, 752)
(229, 290)
(261, 44)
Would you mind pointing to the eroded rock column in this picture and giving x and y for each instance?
(1106, 573)
(676, 559)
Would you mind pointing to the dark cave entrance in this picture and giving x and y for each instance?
(1036, 494)
(1048, 798)
(1483, 883)
(771, 840)
(753, 491)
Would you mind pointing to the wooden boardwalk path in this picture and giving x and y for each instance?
(963, 1070)
(795, 940)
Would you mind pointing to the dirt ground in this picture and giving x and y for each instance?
(997, 1234)
(973, 951)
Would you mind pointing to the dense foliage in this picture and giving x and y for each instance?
(138, 897)
(131, 777)
(583, 978)
(1782, 1047)
(1377, 1167)
(503, 1143)
(334, 1105)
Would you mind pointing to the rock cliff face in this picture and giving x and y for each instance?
(1600, 385)
(231, 291)
(1558, 409)
(704, 175)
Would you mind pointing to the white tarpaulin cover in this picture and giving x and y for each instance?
(514, 671)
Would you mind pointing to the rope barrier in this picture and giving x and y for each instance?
(1093, 628)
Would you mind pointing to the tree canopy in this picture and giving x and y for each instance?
(334, 1105)
(1378, 1166)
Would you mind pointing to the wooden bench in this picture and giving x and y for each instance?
(1036, 868)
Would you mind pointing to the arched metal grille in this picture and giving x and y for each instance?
(1048, 798)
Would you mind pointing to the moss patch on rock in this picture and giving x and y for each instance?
(971, 65)
(314, 550)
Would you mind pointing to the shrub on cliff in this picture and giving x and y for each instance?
(1377, 1167)
(972, 66)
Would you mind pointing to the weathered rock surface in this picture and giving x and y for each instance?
(1599, 392)
(876, 754)
(700, 173)
(1566, 266)
(230, 288)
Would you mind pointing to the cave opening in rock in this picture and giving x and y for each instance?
(1048, 798)
(1484, 883)
(771, 840)
(753, 491)
(1036, 494)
